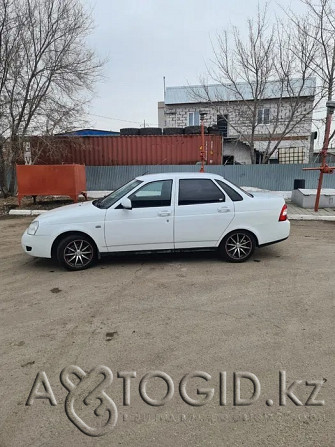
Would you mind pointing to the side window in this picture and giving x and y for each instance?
(193, 118)
(263, 116)
(197, 191)
(152, 194)
(235, 196)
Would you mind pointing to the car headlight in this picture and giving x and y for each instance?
(33, 228)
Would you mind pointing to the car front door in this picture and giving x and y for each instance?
(202, 213)
(148, 225)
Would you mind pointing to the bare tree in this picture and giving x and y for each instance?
(298, 95)
(8, 45)
(318, 25)
(263, 69)
(50, 73)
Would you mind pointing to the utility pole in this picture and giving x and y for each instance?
(324, 168)
(202, 147)
(164, 86)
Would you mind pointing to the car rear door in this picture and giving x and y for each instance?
(202, 213)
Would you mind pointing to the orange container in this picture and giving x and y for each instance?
(61, 180)
(127, 150)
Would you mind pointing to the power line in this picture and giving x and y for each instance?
(114, 119)
(119, 119)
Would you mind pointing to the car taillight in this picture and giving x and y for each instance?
(283, 214)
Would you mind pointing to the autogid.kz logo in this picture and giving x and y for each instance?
(88, 390)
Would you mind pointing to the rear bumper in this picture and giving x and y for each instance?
(274, 242)
(38, 246)
(280, 232)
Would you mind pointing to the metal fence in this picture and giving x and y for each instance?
(271, 177)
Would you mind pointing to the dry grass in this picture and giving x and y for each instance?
(27, 203)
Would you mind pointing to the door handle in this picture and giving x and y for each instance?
(164, 213)
(224, 209)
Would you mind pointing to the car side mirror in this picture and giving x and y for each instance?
(126, 204)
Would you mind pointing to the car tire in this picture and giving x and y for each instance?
(77, 252)
(129, 131)
(194, 130)
(237, 246)
(150, 131)
(173, 131)
(214, 131)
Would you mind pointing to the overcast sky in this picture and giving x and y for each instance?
(146, 40)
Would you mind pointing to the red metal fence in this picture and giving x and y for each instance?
(126, 150)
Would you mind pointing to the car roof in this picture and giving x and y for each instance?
(176, 175)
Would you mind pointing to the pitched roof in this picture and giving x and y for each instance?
(226, 92)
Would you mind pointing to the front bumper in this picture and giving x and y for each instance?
(39, 246)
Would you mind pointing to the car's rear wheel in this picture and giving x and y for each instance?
(237, 246)
(76, 252)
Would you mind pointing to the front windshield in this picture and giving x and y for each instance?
(116, 195)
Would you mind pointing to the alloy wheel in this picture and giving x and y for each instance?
(239, 246)
(78, 253)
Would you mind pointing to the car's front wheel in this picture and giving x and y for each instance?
(237, 246)
(76, 252)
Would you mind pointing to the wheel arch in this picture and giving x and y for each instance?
(247, 230)
(70, 233)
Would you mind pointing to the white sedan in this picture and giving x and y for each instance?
(172, 211)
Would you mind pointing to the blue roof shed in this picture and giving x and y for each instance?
(89, 133)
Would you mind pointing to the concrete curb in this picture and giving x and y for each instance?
(26, 212)
(310, 217)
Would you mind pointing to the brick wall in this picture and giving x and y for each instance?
(239, 120)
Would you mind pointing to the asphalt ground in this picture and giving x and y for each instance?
(176, 314)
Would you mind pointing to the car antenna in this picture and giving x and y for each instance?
(157, 164)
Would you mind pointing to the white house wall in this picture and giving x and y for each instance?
(238, 150)
(177, 116)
